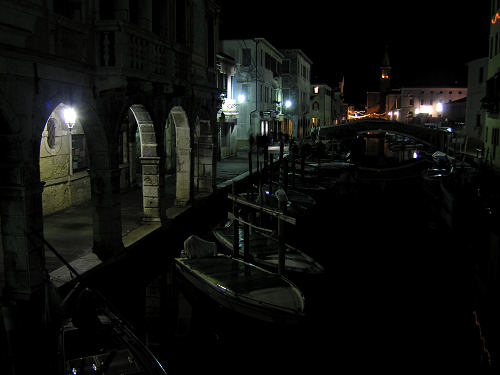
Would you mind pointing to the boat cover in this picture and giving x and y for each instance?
(195, 247)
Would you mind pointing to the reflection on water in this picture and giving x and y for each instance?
(392, 297)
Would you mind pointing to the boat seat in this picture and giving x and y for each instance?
(196, 247)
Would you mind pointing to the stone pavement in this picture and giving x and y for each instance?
(70, 231)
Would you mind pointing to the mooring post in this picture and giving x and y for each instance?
(281, 159)
(236, 229)
(271, 167)
(285, 174)
(302, 161)
(292, 155)
(246, 239)
(281, 246)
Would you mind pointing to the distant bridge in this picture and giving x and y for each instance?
(427, 136)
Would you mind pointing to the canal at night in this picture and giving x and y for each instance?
(395, 295)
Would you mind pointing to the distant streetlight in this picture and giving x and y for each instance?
(288, 103)
(70, 120)
(242, 98)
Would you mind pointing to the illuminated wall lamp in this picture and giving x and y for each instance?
(70, 120)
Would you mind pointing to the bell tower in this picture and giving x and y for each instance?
(385, 73)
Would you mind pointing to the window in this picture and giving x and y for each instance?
(134, 12)
(210, 43)
(491, 101)
(105, 10)
(51, 132)
(180, 20)
(285, 66)
(246, 57)
(245, 90)
(79, 150)
(495, 136)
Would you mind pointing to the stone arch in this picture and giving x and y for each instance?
(150, 163)
(90, 121)
(63, 163)
(180, 144)
(103, 170)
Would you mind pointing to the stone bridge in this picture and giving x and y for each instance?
(430, 137)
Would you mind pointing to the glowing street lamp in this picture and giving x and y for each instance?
(69, 117)
(242, 98)
(288, 104)
(70, 120)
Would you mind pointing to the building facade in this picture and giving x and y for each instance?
(422, 104)
(227, 116)
(296, 72)
(321, 105)
(476, 91)
(141, 78)
(256, 90)
(327, 105)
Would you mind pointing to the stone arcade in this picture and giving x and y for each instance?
(149, 76)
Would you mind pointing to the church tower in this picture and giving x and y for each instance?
(385, 73)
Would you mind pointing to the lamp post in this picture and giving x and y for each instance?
(70, 119)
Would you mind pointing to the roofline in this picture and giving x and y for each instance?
(265, 41)
(299, 51)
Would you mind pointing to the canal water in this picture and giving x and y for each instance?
(395, 296)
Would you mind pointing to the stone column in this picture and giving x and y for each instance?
(107, 212)
(24, 256)
(150, 188)
(205, 159)
(183, 165)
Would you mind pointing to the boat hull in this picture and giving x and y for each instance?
(279, 302)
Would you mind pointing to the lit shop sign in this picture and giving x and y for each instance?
(497, 16)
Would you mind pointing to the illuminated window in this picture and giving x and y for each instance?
(316, 89)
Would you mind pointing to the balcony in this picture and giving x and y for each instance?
(124, 49)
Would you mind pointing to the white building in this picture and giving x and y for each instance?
(430, 102)
(257, 88)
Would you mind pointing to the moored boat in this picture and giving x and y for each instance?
(264, 251)
(239, 286)
(96, 341)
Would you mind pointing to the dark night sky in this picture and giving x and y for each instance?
(429, 42)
